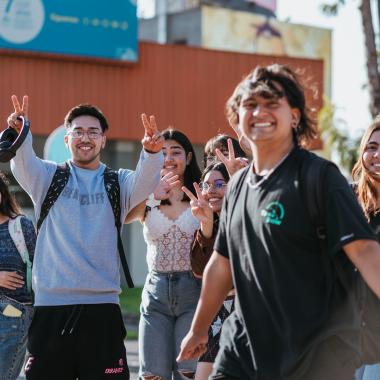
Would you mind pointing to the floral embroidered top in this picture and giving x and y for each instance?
(11, 260)
(169, 241)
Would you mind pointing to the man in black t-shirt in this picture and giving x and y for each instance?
(268, 249)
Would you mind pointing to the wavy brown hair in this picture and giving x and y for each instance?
(8, 205)
(264, 81)
(365, 183)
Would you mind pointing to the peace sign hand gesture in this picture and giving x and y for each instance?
(232, 163)
(152, 140)
(18, 111)
(199, 205)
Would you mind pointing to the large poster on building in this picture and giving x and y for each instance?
(101, 28)
(246, 32)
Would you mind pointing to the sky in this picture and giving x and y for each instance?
(348, 55)
(349, 73)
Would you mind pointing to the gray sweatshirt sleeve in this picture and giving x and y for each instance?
(33, 174)
(136, 186)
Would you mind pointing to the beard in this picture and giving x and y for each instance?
(77, 158)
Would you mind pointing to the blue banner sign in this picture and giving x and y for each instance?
(90, 28)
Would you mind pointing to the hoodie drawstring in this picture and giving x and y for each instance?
(74, 316)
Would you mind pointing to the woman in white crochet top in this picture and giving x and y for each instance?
(171, 291)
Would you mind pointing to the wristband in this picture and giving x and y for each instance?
(149, 151)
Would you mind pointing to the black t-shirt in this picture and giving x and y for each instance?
(375, 224)
(285, 287)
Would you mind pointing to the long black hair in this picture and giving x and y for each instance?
(192, 172)
(8, 205)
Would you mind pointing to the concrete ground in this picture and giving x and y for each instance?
(133, 358)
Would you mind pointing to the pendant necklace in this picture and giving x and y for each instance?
(266, 176)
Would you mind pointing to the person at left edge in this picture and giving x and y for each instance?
(16, 298)
(77, 331)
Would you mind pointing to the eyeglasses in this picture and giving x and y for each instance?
(91, 134)
(217, 185)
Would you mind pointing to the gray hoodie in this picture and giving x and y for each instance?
(76, 258)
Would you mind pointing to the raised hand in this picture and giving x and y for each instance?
(18, 111)
(192, 346)
(11, 280)
(199, 205)
(166, 184)
(152, 140)
(232, 163)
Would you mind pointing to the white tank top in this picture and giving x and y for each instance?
(169, 241)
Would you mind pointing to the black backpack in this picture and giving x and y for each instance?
(362, 306)
(112, 187)
(360, 313)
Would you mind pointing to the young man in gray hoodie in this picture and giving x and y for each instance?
(77, 330)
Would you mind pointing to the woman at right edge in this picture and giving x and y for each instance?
(366, 176)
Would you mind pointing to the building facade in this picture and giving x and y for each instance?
(184, 87)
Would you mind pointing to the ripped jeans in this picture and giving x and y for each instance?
(13, 338)
(168, 304)
(368, 372)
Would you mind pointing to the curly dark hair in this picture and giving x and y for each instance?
(265, 82)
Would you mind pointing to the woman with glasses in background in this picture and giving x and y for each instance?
(206, 208)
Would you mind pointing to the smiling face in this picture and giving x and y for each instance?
(267, 119)
(175, 159)
(216, 189)
(85, 150)
(371, 154)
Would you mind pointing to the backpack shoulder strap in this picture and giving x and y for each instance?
(15, 230)
(313, 169)
(112, 186)
(58, 183)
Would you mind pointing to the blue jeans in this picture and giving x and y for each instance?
(168, 304)
(368, 372)
(13, 337)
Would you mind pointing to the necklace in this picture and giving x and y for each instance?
(266, 176)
